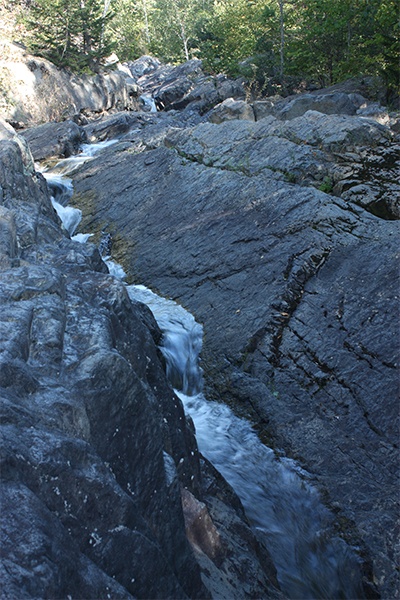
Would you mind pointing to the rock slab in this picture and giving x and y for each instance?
(297, 290)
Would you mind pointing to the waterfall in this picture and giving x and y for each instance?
(148, 101)
(62, 189)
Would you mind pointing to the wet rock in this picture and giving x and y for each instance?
(109, 126)
(224, 543)
(54, 139)
(70, 430)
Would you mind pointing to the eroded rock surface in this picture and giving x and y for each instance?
(96, 449)
(297, 289)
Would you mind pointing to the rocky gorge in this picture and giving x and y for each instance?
(275, 222)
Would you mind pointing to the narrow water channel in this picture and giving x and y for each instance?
(285, 509)
(283, 506)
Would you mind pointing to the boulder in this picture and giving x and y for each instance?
(35, 91)
(142, 66)
(329, 104)
(262, 109)
(376, 112)
(232, 109)
(54, 139)
(186, 85)
(109, 126)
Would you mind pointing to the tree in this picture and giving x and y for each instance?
(385, 44)
(231, 32)
(130, 28)
(282, 36)
(70, 33)
(174, 24)
(335, 39)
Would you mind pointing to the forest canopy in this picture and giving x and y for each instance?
(324, 40)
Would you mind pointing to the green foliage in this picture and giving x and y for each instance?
(128, 30)
(337, 39)
(324, 40)
(232, 32)
(174, 28)
(70, 33)
(327, 185)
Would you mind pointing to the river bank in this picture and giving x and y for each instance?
(280, 234)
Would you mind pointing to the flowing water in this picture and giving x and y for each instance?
(285, 509)
(148, 101)
(282, 504)
(62, 189)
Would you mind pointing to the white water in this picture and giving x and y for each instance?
(285, 509)
(62, 188)
(114, 268)
(88, 151)
(148, 100)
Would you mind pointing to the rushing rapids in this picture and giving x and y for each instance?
(283, 506)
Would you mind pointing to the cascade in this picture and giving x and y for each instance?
(279, 498)
(62, 189)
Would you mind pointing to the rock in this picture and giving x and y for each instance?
(280, 276)
(375, 112)
(329, 104)
(54, 139)
(143, 66)
(232, 109)
(95, 445)
(219, 534)
(111, 60)
(358, 100)
(69, 429)
(109, 126)
(36, 91)
(186, 85)
(228, 88)
(262, 109)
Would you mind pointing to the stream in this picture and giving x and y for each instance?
(284, 507)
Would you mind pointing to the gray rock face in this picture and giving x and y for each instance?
(175, 88)
(95, 444)
(329, 104)
(36, 91)
(54, 139)
(297, 290)
(230, 109)
(345, 154)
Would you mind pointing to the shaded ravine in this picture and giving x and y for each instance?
(283, 506)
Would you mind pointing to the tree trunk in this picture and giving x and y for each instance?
(282, 37)
(105, 11)
(146, 21)
(182, 33)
